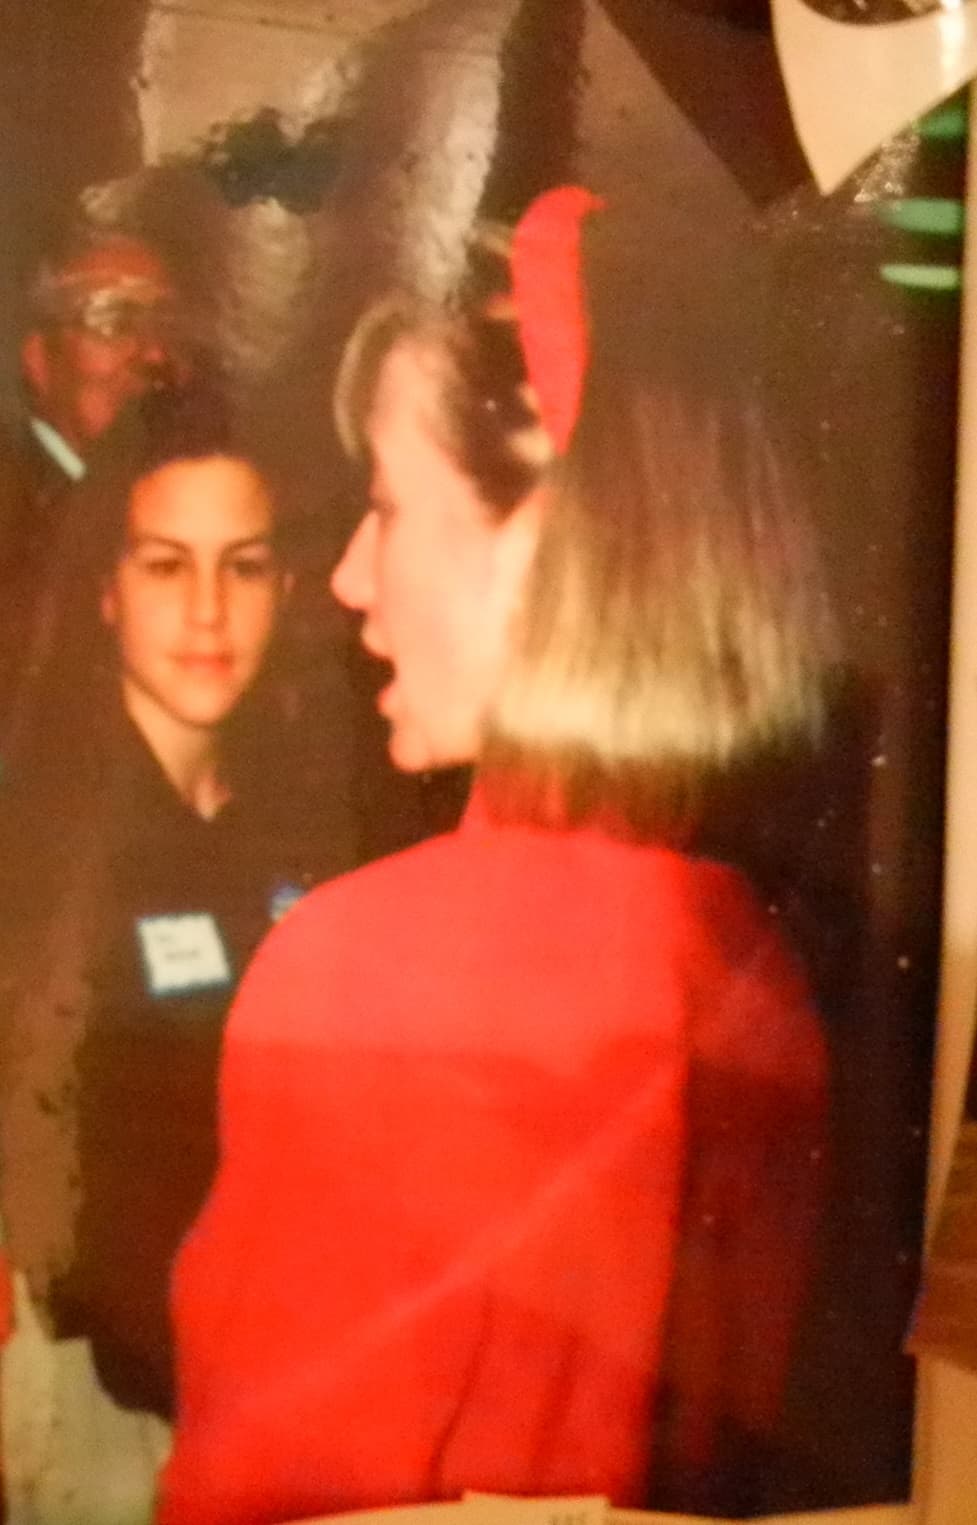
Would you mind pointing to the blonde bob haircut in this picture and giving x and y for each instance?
(674, 634)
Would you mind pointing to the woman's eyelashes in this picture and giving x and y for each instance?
(160, 565)
(252, 565)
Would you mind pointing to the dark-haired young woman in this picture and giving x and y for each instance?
(499, 1110)
(143, 861)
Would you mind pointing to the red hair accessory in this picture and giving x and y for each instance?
(547, 288)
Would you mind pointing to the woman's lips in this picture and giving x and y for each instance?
(373, 648)
(215, 664)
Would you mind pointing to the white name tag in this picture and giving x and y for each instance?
(182, 954)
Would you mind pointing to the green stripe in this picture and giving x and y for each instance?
(923, 277)
(924, 214)
(947, 121)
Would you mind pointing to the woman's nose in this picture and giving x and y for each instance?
(352, 583)
(206, 598)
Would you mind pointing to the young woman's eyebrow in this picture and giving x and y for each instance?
(262, 542)
(139, 542)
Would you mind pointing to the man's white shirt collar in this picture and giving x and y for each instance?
(58, 449)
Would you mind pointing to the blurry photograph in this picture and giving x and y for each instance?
(475, 545)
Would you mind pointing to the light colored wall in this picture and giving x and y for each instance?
(225, 58)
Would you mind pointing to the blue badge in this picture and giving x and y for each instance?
(182, 954)
(284, 894)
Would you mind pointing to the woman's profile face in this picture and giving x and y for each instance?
(194, 595)
(435, 575)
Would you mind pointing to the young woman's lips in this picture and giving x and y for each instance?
(206, 664)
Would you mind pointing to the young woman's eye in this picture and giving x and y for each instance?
(252, 568)
(161, 566)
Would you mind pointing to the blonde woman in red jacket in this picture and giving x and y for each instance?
(498, 1108)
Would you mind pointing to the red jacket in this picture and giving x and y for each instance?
(454, 1153)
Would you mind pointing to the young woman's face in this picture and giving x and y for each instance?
(437, 577)
(194, 595)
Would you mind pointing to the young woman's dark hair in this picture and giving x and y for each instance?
(71, 660)
(60, 813)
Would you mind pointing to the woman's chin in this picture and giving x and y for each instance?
(408, 753)
(411, 751)
(205, 715)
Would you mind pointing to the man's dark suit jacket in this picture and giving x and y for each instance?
(33, 494)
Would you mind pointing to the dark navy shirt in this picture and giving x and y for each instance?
(188, 901)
